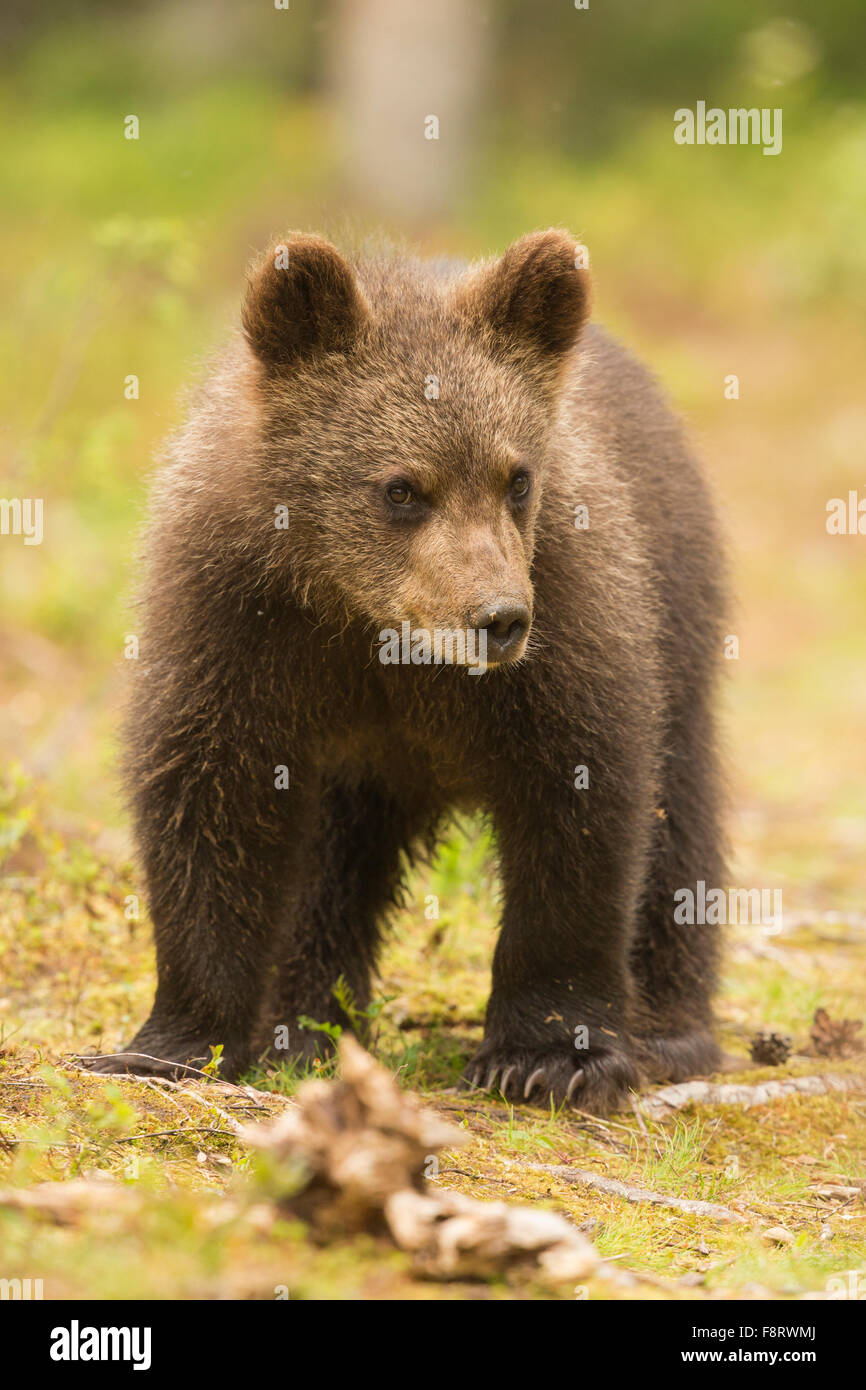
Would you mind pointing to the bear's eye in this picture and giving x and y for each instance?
(399, 493)
(520, 484)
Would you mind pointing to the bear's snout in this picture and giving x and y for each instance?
(506, 622)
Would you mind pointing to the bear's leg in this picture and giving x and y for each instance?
(216, 830)
(349, 879)
(557, 1020)
(675, 963)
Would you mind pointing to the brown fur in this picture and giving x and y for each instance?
(260, 649)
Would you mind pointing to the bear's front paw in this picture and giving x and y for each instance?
(140, 1064)
(168, 1060)
(598, 1082)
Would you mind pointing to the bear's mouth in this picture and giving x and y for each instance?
(411, 643)
(513, 650)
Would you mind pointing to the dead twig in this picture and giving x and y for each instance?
(183, 1068)
(162, 1133)
(209, 1105)
(474, 1177)
(671, 1098)
(614, 1188)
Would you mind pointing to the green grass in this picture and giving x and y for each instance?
(126, 258)
(184, 1211)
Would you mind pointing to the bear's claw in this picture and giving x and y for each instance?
(536, 1076)
(573, 1084)
(600, 1084)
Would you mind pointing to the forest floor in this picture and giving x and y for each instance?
(706, 269)
(177, 1211)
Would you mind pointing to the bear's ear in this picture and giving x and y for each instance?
(303, 298)
(536, 296)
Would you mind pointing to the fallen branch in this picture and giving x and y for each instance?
(614, 1188)
(66, 1202)
(163, 1133)
(661, 1103)
(209, 1105)
(185, 1070)
(354, 1155)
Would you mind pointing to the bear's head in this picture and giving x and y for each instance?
(406, 416)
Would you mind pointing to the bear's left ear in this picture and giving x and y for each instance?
(302, 299)
(534, 297)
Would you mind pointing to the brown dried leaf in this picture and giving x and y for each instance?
(835, 1037)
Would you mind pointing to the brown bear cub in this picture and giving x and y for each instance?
(395, 450)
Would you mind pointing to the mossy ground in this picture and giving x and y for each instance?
(180, 1220)
(126, 258)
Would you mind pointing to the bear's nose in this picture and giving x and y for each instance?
(506, 624)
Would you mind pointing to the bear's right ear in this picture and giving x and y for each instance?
(302, 299)
(533, 299)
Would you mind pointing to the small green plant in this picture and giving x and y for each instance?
(334, 1031)
(212, 1067)
(360, 1020)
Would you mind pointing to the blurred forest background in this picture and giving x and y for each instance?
(124, 257)
(127, 257)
